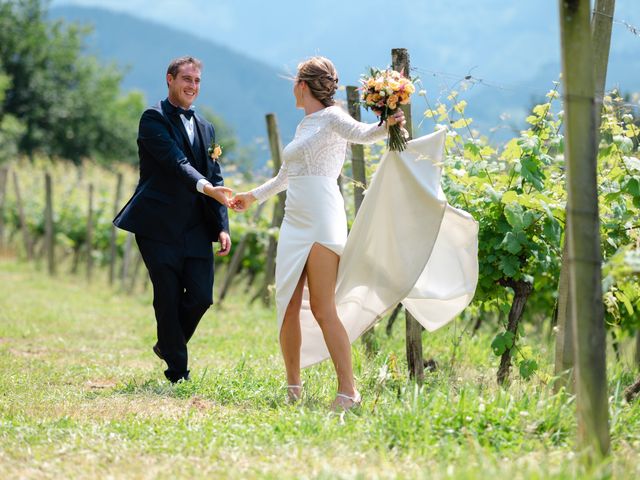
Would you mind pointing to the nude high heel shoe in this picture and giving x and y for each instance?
(346, 402)
(294, 393)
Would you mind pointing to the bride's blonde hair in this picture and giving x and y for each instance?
(321, 77)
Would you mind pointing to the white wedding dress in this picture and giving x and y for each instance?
(407, 244)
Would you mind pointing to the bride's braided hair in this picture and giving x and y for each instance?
(321, 77)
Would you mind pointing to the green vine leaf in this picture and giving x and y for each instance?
(502, 342)
(527, 368)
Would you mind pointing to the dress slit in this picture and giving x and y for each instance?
(406, 244)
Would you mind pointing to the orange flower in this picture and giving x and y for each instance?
(214, 151)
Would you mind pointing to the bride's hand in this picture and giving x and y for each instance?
(242, 201)
(397, 118)
(221, 194)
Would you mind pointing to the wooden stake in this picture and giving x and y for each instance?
(126, 259)
(601, 24)
(28, 244)
(238, 255)
(357, 151)
(278, 211)
(584, 255)
(4, 174)
(359, 176)
(89, 239)
(415, 360)
(49, 227)
(116, 207)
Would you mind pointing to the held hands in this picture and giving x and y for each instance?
(242, 201)
(239, 203)
(220, 194)
(224, 195)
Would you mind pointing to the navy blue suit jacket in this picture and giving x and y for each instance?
(169, 172)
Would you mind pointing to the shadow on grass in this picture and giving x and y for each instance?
(242, 387)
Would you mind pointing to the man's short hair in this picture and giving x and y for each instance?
(174, 66)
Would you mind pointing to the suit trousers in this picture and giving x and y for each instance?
(182, 278)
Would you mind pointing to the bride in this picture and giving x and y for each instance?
(314, 233)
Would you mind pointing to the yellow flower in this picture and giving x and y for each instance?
(394, 85)
(214, 151)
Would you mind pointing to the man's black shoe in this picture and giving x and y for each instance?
(173, 378)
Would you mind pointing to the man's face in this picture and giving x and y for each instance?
(184, 88)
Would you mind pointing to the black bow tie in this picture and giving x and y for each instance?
(188, 114)
(174, 110)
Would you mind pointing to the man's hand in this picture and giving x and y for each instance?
(225, 244)
(221, 194)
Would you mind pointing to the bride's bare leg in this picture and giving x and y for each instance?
(322, 272)
(291, 338)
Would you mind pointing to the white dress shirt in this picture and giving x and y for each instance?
(190, 127)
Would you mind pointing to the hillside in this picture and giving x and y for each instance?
(240, 89)
(515, 50)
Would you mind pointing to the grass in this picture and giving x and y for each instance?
(83, 396)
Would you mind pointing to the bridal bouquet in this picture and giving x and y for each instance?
(382, 93)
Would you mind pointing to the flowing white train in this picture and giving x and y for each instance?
(407, 244)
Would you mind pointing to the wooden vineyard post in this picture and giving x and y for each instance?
(359, 175)
(28, 245)
(89, 240)
(415, 360)
(4, 174)
(116, 205)
(126, 260)
(601, 24)
(357, 151)
(136, 271)
(48, 225)
(585, 277)
(236, 260)
(278, 211)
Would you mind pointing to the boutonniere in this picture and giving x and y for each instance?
(214, 150)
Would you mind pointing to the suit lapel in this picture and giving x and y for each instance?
(204, 143)
(200, 131)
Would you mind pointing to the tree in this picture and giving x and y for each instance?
(11, 130)
(70, 105)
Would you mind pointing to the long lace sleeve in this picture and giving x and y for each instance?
(353, 131)
(275, 185)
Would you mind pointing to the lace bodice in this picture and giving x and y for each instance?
(319, 148)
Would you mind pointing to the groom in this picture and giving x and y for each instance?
(177, 210)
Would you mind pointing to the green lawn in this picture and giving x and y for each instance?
(83, 396)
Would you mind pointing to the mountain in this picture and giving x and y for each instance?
(511, 49)
(238, 88)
